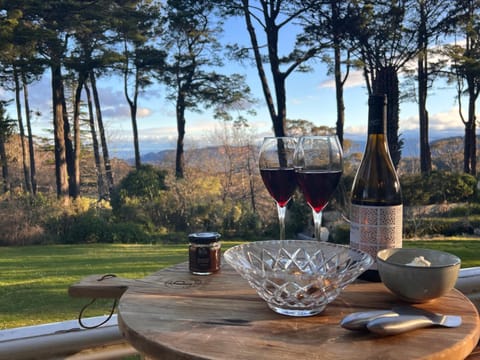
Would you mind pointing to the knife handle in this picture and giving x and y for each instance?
(398, 324)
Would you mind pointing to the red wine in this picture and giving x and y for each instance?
(376, 203)
(280, 183)
(318, 186)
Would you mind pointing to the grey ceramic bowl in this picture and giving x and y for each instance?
(417, 284)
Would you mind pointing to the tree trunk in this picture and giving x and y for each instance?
(470, 134)
(422, 72)
(26, 172)
(339, 81)
(425, 153)
(136, 145)
(69, 149)
(278, 79)
(339, 96)
(3, 159)
(103, 139)
(76, 130)
(180, 158)
(133, 115)
(96, 151)
(278, 125)
(386, 82)
(59, 135)
(33, 171)
(251, 179)
(467, 148)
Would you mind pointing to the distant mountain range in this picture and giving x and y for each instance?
(151, 155)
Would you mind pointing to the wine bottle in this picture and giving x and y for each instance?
(376, 202)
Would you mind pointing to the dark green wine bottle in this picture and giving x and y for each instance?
(376, 203)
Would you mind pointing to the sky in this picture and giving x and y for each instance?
(310, 96)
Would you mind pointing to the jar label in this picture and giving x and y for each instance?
(373, 228)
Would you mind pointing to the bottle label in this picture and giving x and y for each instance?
(373, 228)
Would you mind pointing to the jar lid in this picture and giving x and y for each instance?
(204, 237)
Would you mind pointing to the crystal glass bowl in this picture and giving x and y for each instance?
(297, 277)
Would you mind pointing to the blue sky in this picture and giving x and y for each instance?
(311, 96)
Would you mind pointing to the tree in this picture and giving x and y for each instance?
(465, 70)
(49, 26)
(325, 25)
(194, 50)
(384, 41)
(7, 125)
(265, 19)
(96, 148)
(304, 127)
(431, 22)
(136, 26)
(19, 67)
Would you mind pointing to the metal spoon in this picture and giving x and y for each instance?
(403, 323)
(359, 320)
(397, 320)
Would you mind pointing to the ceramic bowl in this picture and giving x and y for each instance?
(416, 282)
(297, 277)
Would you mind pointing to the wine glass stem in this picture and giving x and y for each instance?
(281, 219)
(317, 221)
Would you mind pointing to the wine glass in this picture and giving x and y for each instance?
(318, 162)
(278, 175)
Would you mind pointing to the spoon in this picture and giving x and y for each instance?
(399, 319)
(403, 323)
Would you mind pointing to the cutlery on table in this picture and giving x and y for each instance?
(398, 320)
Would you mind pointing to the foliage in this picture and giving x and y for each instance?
(145, 183)
(190, 73)
(437, 187)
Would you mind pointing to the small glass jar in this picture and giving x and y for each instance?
(204, 253)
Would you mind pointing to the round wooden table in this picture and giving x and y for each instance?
(175, 315)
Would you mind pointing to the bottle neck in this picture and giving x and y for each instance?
(377, 115)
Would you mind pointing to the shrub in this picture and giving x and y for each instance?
(128, 233)
(86, 228)
(437, 187)
(133, 200)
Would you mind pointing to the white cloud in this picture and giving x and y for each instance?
(144, 112)
(446, 120)
(354, 79)
(358, 130)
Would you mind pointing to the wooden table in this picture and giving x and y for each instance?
(175, 315)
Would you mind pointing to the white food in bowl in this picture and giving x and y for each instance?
(419, 261)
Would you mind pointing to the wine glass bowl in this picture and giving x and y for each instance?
(297, 277)
(277, 172)
(318, 162)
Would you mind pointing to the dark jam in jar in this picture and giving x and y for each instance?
(204, 253)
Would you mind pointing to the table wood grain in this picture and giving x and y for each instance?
(175, 315)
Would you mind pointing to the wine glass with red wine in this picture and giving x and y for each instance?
(318, 162)
(278, 173)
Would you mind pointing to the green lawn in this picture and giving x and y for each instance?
(34, 280)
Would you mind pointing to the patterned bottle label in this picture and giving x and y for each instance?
(373, 228)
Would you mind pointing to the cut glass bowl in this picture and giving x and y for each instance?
(297, 277)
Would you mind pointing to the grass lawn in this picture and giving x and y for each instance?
(34, 280)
